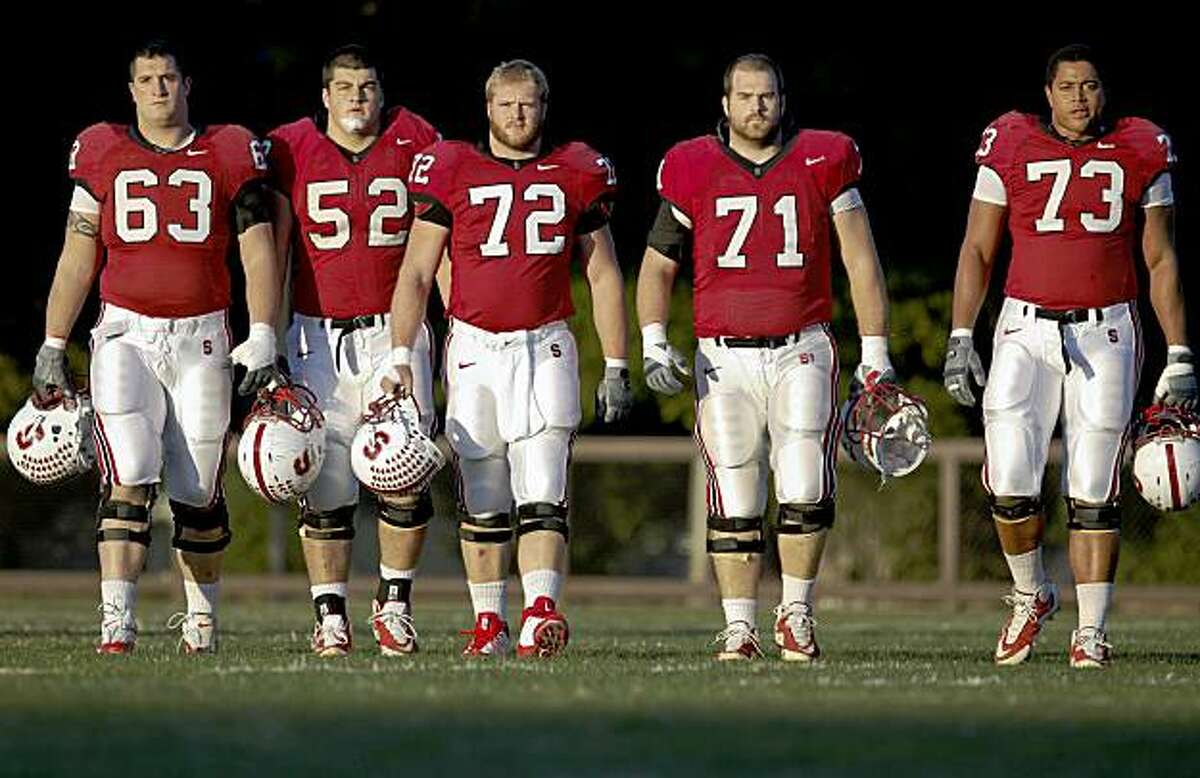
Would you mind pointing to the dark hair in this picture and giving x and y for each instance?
(753, 62)
(353, 55)
(153, 49)
(1076, 52)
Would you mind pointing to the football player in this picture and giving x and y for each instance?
(346, 219)
(513, 211)
(756, 210)
(155, 207)
(1071, 191)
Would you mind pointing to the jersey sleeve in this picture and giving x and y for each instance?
(999, 143)
(674, 184)
(431, 182)
(1155, 153)
(243, 158)
(597, 191)
(847, 168)
(85, 163)
(281, 163)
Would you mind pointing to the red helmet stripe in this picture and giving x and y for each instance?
(258, 469)
(1173, 475)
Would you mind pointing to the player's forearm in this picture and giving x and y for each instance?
(868, 289)
(257, 246)
(443, 280)
(655, 280)
(282, 222)
(970, 287)
(1166, 296)
(72, 279)
(409, 300)
(608, 313)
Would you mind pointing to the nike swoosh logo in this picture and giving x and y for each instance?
(195, 152)
(464, 365)
(810, 161)
(403, 141)
(1106, 145)
(546, 167)
(1007, 331)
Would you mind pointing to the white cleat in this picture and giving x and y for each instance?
(331, 636)
(739, 643)
(198, 632)
(393, 628)
(795, 632)
(1090, 648)
(118, 630)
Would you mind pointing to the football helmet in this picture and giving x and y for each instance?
(884, 428)
(283, 443)
(390, 453)
(50, 439)
(1166, 457)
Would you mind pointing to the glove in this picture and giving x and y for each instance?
(1176, 385)
(50, 370)
(962, 357)
(614, 395)
(666, 369)
(875, 364)
(257, 354)
(399, 380)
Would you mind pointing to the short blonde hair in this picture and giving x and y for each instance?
(518, 70)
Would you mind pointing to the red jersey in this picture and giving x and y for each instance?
(761, 233)
(512, 227)
(166, 216)
(1072, 209)
(351, 210)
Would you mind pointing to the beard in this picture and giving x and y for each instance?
(520, 138)
(757, 131)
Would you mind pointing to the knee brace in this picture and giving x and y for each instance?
(123, 511)
(1104, 518)
(188, 517)
(408, 512)
(719, 543)
(1015, 508)
(535, 516)
(337, 524)
(800, 518)
(494, 528)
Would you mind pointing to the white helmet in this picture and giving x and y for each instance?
(51, 440)
(885, 428)
(390, 453)
(1166, 457)
(283, 443)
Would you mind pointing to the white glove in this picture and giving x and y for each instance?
(257, 354)
(874, 360)
(1177, 384)
(666, 369)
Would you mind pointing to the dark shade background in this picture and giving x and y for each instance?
(914, 87)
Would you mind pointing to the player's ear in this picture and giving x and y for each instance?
(187, 86)
(1049, 98)
(325, 98)
(725, 105)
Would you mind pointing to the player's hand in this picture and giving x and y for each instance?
(50, 372)
(666, 369)
(257, 354)
(398, 381)
(865, 373)
(1176, 385)
(963, 364)
(614, 395)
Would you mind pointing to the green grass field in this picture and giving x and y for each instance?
(638, 694)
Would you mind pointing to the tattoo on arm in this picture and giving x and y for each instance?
(78, 222)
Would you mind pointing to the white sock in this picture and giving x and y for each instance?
(201, 598)
(1094, 599)
(489, 598)
(1027, 571)
(391, 573)
(541, 583)
(797, 589)
(119, 593)
(341, 589)
(740, 610)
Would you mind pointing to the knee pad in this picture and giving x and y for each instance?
(729, 429)
(409, 512)
(337, 524)
(1102, 518)
(720, 529)
(123, 511)
(536, 516)
(188, 517)
(796, 518)
(1015, 508)
(492, 528)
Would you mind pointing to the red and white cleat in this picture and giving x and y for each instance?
(198, 632)
(118, 630)
(1029, 613)
(794, 632)
(1090, 648)
(544, 631)
(331, 636)
(393, 627)
(488, 638)
(739, 643)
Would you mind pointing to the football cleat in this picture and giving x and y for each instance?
(794, 632)
(1090, 648)
(198, 632)
(331, 636)
(739, 643)
(488, 638)
(1029, 613)
(393, 627)
(118, 630)
(544, 631)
